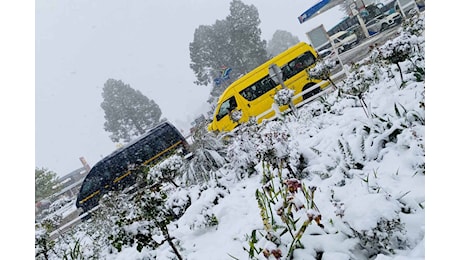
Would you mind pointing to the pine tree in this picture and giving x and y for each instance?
(234, 42)
(128, 112)
(245, 35)
(280, 42)
(45, 180)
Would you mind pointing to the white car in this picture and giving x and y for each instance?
(344, 40)
(409, 7)
(328, 54)
(383, 22)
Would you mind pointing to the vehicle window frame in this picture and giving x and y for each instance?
(258, 89)
(226, 107)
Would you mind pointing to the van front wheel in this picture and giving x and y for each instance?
(312, 92)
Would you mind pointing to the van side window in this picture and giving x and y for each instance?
(258, 89)
(297, 65)
(227, 106)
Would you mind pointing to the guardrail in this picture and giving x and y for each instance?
(75, 218)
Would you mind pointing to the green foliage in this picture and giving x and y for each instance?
(128, 113)
(45, 180)
(322, 71)
(361, 77)
(44, 245)
(385, 238)
(408, 47)
(349, 161)
(234, 42)
(145, 219)
(75, 253)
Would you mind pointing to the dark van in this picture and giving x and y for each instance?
(117, 171)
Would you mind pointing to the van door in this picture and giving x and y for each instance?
(259, 97)
(223, 119)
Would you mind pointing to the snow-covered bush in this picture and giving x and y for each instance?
(146, 225)
(209, 154)
(200, 215)
(240, 149)
(287, 209)
(387, 237)
(44, 245)
(322, 71)
(168, 170)
(284, 96)
(235, 115)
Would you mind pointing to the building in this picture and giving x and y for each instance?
(71, 182)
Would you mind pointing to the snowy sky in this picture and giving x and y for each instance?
(81, 44)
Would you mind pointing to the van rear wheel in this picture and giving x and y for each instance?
(312, 92)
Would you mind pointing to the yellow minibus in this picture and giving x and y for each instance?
(252, 95)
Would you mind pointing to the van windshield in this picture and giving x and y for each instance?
(226, 107)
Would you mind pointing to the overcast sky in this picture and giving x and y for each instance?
(144, 43)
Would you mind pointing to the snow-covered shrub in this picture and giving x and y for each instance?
(407, 47)
(51, 222)
(387, 237)
(146, 226)
(349, 159)
(240, 150)
(74, 249)
(378, 228)
(283, 96)
(209, 154)
(168, 170)
(274, 143)
(101, 224)
(396, 52)
(360, 78)
(236, 115)
(178, 202)
(204, 198)
(287, 209)
(414, 26)
(322, 71)
(44, 245)
(276, 148)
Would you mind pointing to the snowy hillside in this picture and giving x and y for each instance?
(345, 179)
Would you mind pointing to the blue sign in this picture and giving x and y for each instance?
(312, 10)
(224, 75)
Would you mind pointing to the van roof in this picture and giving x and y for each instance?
(134, 141)
(337, 35)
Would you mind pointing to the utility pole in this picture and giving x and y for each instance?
(277, 75)
(354, 11)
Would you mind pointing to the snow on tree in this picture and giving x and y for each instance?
(46, 183)
(281, 41)
(128, 113)
(234, 42)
